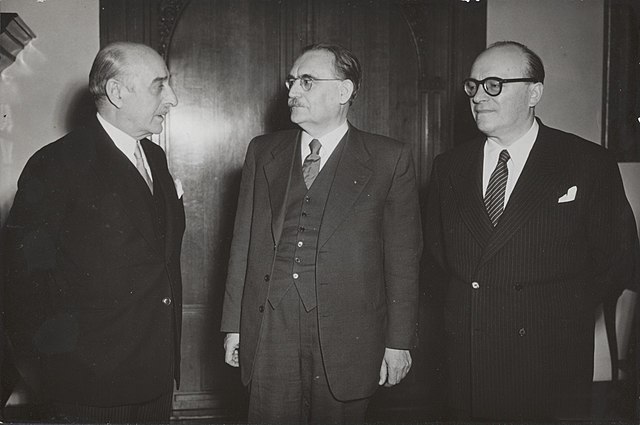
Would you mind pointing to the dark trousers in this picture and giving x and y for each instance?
(154, 411)
(289, 384)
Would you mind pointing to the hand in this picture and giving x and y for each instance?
(231, 347)
(395, 366)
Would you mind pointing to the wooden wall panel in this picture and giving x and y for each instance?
(621, 100)
(224, 61)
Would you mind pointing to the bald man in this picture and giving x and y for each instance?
(93, 285)
(533, 230)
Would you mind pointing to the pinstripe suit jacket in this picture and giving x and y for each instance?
(519, 299)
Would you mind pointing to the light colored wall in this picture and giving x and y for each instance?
(569, 37)
(39, 91)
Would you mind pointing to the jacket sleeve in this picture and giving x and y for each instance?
(237, 269)
(402, 252)
(30, 244)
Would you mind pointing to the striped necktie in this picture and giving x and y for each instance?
(494, 198)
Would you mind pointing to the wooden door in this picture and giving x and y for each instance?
(228, 60)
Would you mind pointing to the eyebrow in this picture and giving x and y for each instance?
(302, 76)
(159, 80)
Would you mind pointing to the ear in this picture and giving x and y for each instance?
(535, 94)
(346, 90)
(114, 89)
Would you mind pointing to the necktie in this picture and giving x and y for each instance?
(494, 198)
(141, 168)
(311, 165)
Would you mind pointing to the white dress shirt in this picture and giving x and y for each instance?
(518, 152)
(125, 143)
(329, 142)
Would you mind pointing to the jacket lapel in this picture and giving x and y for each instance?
(352, 175)
(174, 210)
(121, 180)
(278, 174)
(467, 185)
(535, 182)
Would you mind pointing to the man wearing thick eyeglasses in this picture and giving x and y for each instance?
(531, 230)
(321, 296)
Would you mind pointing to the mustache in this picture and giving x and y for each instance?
(294, 102)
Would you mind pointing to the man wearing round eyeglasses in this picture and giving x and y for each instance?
(531, 229)
(321, 296)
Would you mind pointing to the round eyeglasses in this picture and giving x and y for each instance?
(306, 81)
(492, 85)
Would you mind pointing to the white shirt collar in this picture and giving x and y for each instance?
(122, 140)
(518, 152)
(329, 142)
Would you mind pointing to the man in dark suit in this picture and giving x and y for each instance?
(321, 295)
(93, 285)
(532, 229)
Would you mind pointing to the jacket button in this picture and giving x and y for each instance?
(475, 285)
(522, 332)
(296, 275)
(267, 278)
(261, 309)
(301, 229)
(297, 260)
(518, 286)
(166, 301)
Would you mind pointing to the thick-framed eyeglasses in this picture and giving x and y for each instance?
(492, 85)
(306, 81)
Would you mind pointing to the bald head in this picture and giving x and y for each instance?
(116, 61)
(508, 113)
(131, 87)
(532, 64)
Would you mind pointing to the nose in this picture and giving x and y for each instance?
(296, 89)
(170, 96)
(480, 95)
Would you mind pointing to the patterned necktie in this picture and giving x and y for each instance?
(141, 168)
(494, 198)
(311, 165)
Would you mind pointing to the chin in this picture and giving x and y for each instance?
(296, 116)
(483, 125)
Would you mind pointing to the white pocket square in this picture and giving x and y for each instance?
(569, 196)
(179, 189)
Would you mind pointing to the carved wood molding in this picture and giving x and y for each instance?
(411, 13)
(170, 11)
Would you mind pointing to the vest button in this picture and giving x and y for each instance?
(475, 285)
(295, 275)
(307, 199)
(267, 277)
(166, 301)
(304, 213)
(301, 229)
(300, 243)
(297, 260)
(261, 309)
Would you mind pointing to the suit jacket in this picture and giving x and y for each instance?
(367, 259)
(93, 285)
(519, 300)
